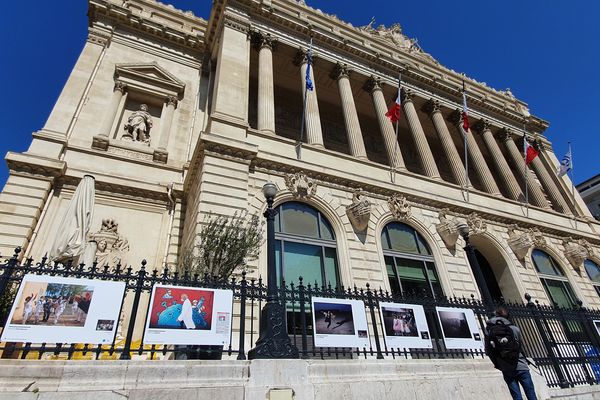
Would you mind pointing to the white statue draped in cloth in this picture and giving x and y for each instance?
(138, 125)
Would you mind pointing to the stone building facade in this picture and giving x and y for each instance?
(177, 117)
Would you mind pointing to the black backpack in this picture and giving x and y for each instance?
(503, 341)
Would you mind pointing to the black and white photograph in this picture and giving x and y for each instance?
(339, 323)
(459, 328)
(404, 325)
(105, 325)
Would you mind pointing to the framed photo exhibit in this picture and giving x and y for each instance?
(339, 323)
(189, 316)
(405, 326)
(597, 325)
(459, 328)
(51, 309)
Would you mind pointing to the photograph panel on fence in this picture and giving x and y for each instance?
(597, 325)
(189, 316)
(405, 326)
(51, 309)
(339, 323)
(460, 328)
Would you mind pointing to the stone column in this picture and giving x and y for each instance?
(549, 185)
(161, 154)
(266, 96)
(456, 165)
(425, 155)
(312, 128)
(101, 141)
(479, 165)
(387, 129)
(502, 168)
(535, 194)
(355, 138)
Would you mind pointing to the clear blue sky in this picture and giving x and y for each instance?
(546, 52)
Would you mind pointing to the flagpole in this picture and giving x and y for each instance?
(396, 145)
(526, 168)
(299, 144)
(572, 185)
(466, 145)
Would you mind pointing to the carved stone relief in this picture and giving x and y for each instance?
(400, 207)
(138, 126)
(576, 251)
(539, 240)
(448, 229)
(477, 225)
(359, 211)
(519, 241)
(111, 247)
(301, 186)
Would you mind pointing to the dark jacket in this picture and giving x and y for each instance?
(499, 363)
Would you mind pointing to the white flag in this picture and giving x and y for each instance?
(566, 164)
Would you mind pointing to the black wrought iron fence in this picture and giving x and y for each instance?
(562, 343)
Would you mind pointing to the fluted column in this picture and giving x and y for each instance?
(535, 194)
(502, 168)
(424, 151)
(312, 120)
(355, 138)
(549, 185)
(266, 96)
(454, 161)
(387, 129)
(100, 141)
(478, 161)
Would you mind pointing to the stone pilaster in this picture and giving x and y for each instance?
(424, 151)
(266, 96)
(502, 168)
(535, 194)
(387, 129)
(454, 160)
(312, 119)
(100, 141)
(549, 185)
(355, 138)
(161, 154)
(478, 161)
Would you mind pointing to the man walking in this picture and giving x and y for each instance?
(503, 345)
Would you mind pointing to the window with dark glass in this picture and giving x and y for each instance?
(409, 263)
(593, 271)
(554, 281)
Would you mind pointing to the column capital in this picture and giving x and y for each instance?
(505, 134)
(431, 107)
(172, 101)
(407, 95)
(260, 40)
(120, 86)
(482, 125)
(455, 117)
(373, 84)
(301, 57)
(340, 71)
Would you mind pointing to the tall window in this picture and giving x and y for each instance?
(305, 246)
(555, 283)
(593, 271)
(410, 265)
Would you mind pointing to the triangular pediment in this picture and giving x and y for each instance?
(152, 74)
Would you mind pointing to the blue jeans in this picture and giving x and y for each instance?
(513, 379)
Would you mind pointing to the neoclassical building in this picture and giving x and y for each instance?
(177, 117)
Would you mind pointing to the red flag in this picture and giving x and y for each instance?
(394, 111)
(530, 152)
(465, 114)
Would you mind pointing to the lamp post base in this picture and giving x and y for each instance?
(273, 341)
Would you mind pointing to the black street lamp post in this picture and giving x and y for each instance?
(273, 340)
(463, 229)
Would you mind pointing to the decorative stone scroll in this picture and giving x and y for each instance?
(400, 207)
(576, 251)
(111, 247)
(519, 241)
(301, 186)
(477, 225)
(448, 229)
(359, 211)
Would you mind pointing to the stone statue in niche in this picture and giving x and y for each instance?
(111, 248)
(138, 126)
(359, 211)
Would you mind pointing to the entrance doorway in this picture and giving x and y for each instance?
(490, 278)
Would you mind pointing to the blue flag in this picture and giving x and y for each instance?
(309, 84)
(566, 164)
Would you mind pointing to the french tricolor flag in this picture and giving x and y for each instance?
(465, 111)
(530, 152)
(394, 111)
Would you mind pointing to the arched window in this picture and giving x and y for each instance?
(305, 246)
(593, 271)
(410, 265)
(555, 283)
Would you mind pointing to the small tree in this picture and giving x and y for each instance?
(225, 243)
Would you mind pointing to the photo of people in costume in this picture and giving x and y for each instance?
(333, 319)
(181, 308)
(53, 304)
(399, 322)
